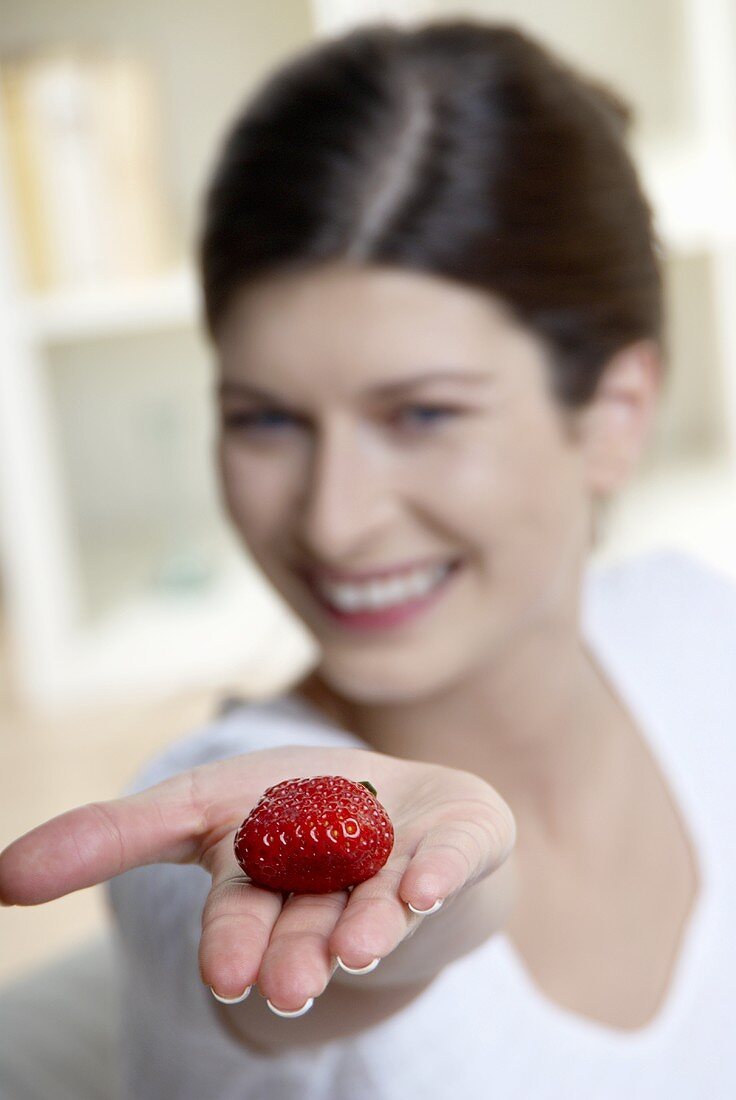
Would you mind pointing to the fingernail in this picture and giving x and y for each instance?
(358, 969)
(231, 1000)
(297, 1012)
(425, 912)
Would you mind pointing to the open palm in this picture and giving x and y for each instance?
(451, 830)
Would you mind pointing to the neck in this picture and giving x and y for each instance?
(542, 727)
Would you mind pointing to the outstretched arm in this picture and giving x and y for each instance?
(453, 832)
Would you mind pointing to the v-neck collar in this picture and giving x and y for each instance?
(695, 936)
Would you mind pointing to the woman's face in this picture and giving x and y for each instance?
(325, 470)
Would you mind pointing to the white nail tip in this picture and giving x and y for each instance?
(231, 1000)
(426, 912)
(357, 969)
(297, 1012)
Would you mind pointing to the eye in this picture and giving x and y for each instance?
(266, 419)
(429, 414)
(255, 421)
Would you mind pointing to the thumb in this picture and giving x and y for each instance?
(455, 854)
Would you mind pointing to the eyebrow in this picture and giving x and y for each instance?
(383, 389)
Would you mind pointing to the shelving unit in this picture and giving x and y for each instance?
(110, 591)
(170, 301)
(113, 585)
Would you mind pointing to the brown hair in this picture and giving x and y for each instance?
(458, 148)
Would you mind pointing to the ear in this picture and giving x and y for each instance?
(617, 422)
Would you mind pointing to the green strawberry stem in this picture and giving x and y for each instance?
(371, 788)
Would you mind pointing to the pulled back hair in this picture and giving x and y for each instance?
(458, 148)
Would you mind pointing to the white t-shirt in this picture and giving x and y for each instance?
(664, 630)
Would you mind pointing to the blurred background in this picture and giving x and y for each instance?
(127, 610)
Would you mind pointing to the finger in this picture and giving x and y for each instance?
(298, 963)
(455, 854)
(237, 922)
(376, 919)
(97, 841)
(171, 822)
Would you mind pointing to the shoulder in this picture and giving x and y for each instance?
(660, 591)
(668, 621)
(242, 726)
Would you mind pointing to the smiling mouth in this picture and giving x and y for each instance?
(367, 607)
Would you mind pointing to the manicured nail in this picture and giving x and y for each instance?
(231, 1000)
(358, 969)
(297, 1012)
(425, 912)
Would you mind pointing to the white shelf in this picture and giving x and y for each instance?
(156, 644)
(169, 301)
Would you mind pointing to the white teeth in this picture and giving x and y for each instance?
(377, 594)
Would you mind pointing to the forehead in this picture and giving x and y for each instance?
(345, 326)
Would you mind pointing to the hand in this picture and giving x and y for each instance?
(452, 829)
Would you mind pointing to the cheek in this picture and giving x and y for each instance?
(252, 491)
(543, 541)
(518, 494)
(545, 490)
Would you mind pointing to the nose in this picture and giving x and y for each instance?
(347, 499)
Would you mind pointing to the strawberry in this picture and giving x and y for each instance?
(312, 836)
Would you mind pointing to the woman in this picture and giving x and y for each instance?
(449, 201)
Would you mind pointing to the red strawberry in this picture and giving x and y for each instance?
(312, 836)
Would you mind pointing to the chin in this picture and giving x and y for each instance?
(369, 684)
